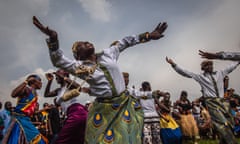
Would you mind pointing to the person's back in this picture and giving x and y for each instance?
(106, 82)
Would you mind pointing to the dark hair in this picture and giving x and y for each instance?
(125, 74)
(146, 85)
(45, 104)
(33, 76)
(7, 103)
(184, 93)
(206, 63)
(82, 53)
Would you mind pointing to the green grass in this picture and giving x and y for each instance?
(206, 141)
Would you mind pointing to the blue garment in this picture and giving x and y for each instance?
(6, 117)
(170, 131)
(21, 130)
(24, 125)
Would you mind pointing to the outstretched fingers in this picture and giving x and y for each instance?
(203, 54)
(37, 23)
(51, 33)
(167, 59)
(208, 55)
(161, 27)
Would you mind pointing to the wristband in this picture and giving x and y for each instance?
(144, 37)
(174, 65)
(53, 45)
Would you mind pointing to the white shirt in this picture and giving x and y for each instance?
(99, 85)
(148, 104)
(65, 104)
(205, 80)
(230, 55)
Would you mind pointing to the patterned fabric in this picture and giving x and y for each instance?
(229, 55)
(221, 120)
(116, 120)
(26, 105)
(151, 131)
(73, 130)
(170, 131)
(21, 129)
(189, 126)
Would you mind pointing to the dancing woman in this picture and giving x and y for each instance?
(21, 129)
(113, 117)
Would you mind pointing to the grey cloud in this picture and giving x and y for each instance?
(208, 25)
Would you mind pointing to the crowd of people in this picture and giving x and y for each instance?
(119, 114)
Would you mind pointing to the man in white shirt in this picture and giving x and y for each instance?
(112, 117)
(211, 83)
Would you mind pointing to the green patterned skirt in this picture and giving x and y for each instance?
(117, 120)
(221, 119)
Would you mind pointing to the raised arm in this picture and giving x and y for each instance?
(51, 33)
(57, 57)
(230, 68)
(209, 55)
(234, 56)
(171, 62)
(21, 90)
(181, 71)
(47, 92)
(128, 41)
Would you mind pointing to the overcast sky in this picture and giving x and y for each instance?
(210, 25)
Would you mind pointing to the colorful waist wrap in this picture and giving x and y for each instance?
(73, 130)
(221, 120)
(21, 131)
(189, 126)
(117, 120)
(26, 105)
(170, 131)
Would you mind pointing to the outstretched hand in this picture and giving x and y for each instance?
(49, 76)
(157, 33)
(208, 55)
(170, 61)
(51, 33)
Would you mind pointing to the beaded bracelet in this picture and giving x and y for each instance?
(144, 37)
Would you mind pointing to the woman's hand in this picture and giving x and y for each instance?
(209, 55)
(157, 33)
(49, 76)
(51, 33)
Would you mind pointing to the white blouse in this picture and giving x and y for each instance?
(98, 84)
